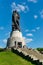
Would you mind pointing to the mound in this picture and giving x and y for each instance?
(9, 58)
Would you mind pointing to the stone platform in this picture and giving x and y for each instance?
(16, 40)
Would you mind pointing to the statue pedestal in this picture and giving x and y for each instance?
(16, 40)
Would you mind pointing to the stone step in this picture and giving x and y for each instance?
(34, 54)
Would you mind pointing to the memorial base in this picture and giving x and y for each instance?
(16, 40)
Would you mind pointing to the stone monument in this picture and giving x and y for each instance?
(16, 39)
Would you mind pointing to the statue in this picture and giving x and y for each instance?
(15, 40)
(15, 21)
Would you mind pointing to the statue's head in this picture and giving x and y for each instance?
(15, 13)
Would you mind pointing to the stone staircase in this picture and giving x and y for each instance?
(33, 54)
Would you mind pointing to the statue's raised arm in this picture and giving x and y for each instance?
(15, 21)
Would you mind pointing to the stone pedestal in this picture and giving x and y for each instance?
(16, 40)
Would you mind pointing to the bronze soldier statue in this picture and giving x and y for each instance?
(15, 21)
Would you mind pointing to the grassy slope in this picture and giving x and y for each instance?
(9, 58)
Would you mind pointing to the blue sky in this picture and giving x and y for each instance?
(31, 21)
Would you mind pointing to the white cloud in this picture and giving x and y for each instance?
(33, 30)
(35, 16)
(41, 13)
(29, 34)
(7, 34)
(19, 7)
(5, 40)
(1, 47)
(24, 38)
(28, 40)
(0, 40)
(34, 1)
(37, 28)
(24, 3)
(1, 28)
(26, 30)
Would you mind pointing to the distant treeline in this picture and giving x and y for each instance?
(2, 49)
(40, 49)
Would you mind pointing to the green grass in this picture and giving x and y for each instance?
(10, 58)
